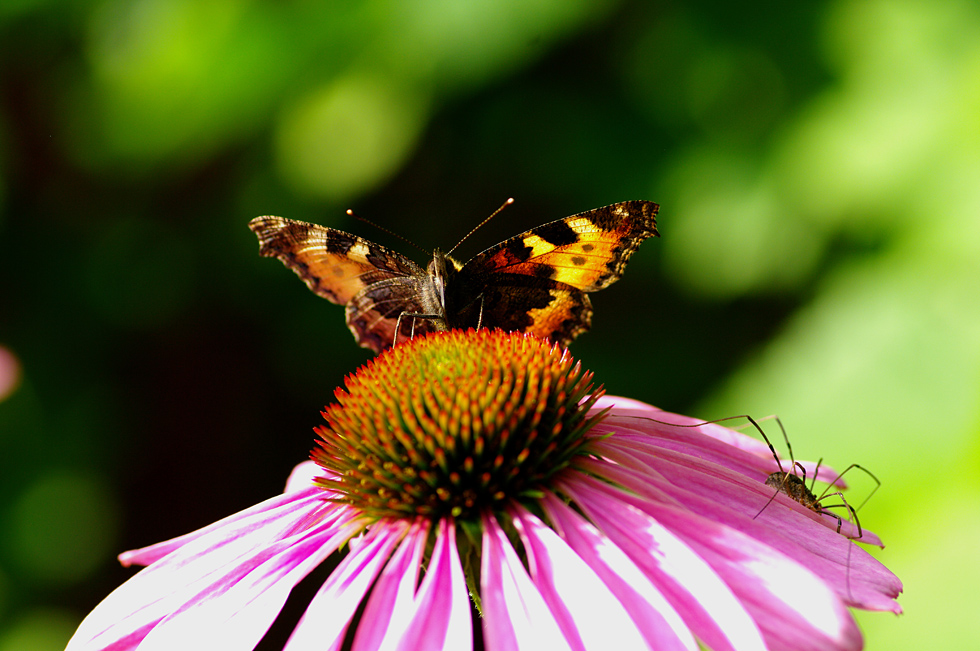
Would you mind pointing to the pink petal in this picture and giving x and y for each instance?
(392, 603)
(794, 608)
(705, 602)
(587, 611)
(785, 525)
(264, 516)
(667, 462)
(515, 615)
(442, 618)
(204, 571)
(627, 409)
(661, 625)
(752, 456)
(303, 476)
(325, 621)
(241, 615)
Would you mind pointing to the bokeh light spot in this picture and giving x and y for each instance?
(730, 236)
(39, 630)
(62, 527)
(171, 81)
(462, 44)
(349, 136)
(10, 372)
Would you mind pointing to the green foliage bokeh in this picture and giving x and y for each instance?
(818, 167)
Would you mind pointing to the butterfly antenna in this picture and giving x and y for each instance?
(387, 230)
(492, 215)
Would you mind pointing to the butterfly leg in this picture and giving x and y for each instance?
(436, 318)
(468, 309)
(479, 318)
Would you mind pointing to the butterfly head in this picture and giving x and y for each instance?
(441, 270)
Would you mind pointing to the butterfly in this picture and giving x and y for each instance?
(537, 282)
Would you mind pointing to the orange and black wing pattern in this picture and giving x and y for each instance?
(537, 282)
(376, 284)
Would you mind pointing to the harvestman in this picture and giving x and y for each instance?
(792, 484)
(795, 486)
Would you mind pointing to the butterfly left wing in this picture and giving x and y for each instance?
(334, 264)
(375, 284)
(537, 282)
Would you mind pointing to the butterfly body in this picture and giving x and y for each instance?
(536, 282)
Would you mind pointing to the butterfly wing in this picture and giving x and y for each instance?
(372, 315)
(537, 282)
(376, 284)
(540, 307)
(588, 251)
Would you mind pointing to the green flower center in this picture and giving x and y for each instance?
(455, 423)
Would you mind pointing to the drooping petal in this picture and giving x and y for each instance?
(705, 602)
(245, 611)
(442, 617)
(391, 606)
(683, 433)
(792, 606)
(666, 463)
(515, 615)
(659, 622)
(325, 621)
(436, 616)
(731, 499)
(209, 567)
(269, 517)
(627, 408)
(588, 612)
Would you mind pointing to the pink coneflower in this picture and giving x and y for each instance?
(474, 472)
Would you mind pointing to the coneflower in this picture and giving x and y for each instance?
(481, 472)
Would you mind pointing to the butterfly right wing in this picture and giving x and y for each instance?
(537, 282)
(376, 284)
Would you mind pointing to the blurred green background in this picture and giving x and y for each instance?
(818, 166)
